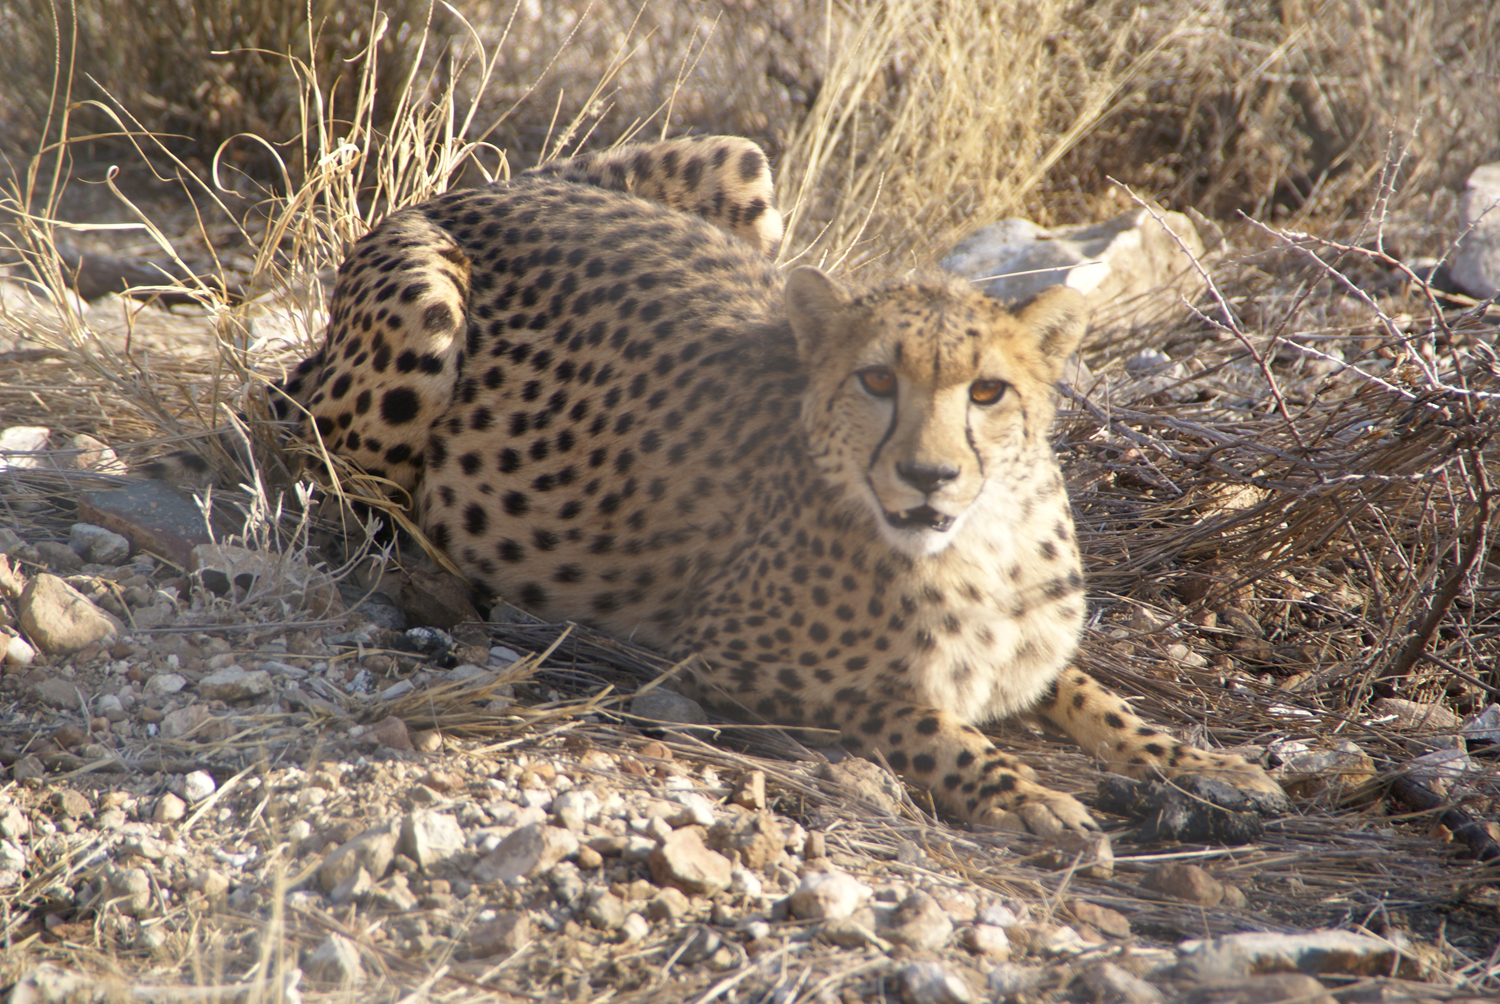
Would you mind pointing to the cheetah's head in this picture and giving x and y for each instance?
(927, 397)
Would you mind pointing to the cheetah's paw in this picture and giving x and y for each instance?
(1040, 811)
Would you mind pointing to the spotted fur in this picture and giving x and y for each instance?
(610, 408)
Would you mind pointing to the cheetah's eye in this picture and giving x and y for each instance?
(987, 391)
(878, 381)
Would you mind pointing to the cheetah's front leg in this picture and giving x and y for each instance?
(1102, 723)
(968, 777)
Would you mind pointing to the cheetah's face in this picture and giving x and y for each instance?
(929, 400)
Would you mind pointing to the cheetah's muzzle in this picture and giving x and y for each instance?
(924, 516)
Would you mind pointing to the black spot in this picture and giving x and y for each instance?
(399, 405)
(928, 726)
(923, 763)
(516, 503)
(476, 520)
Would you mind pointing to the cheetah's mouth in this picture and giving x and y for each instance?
(924, 516)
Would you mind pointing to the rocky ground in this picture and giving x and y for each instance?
(244, 778)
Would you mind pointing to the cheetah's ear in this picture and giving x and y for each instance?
(813, 301)
(1058, 317)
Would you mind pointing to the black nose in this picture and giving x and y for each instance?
(925, 479)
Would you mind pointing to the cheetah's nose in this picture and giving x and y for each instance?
(926, 479)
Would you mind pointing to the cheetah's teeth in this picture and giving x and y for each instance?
(924, 516)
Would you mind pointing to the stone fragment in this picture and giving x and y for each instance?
(1108, 982)
(60, 619)
(185, 722)
(21, 446)
(1045, 939)
(662, 705)
(198, 785)
(830, 895)
(1185, 882)
(169, 809)
(430, 838)
(1476, 262)
(58, 557)
(17, 654)
(1133, 269)
(1107, 921)
(56, 692)
(1417, 715)
(394, 895)
(605, 910)
(758, 838)
(576, 808)
(635, 927)
(336, 961)
(750, 792)
(95, 455)
(164, 684)
(1343, 772)
(372, 850)
(130, 888)
(391, 732)
(507, 934)
(13, 823)
(669, 904)
(28, 768)
(355, 888)
(1276, 988)
(154, 517)
(70, 804)
(96, 544)
(989, 941)
(1009, 978)
(867, 780)
(684, 861)
(1091, 853)
(933, 983)
(1234, 956)
(527, 852)
(236, 683)
(1483, 727)
(919, 923)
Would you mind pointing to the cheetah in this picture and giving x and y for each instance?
(838, 498)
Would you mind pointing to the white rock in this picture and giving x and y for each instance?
(1312, 952)
(698, 810)
(94, 543)
(163, 684)
(635, 927)
(1108, 982)
(745, 881)
(430, 838)
(829, 896)
(18, 654)
(18, 441)
(1009, 978)
(336, 961)
(1131, 269)
(1476, 263)
(528, 852)
(989, 941)
(198, 785)
(576, 808)
(398, 689)
(933, 983)
(236, 683)
(1485, 725)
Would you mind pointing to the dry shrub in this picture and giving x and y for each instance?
(198, 71)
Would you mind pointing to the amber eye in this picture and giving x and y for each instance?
(878, 381)
(987, 391)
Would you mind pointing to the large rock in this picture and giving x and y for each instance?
(1476, 263)
(1133, 269)
(1235, 956)
(61, 620)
